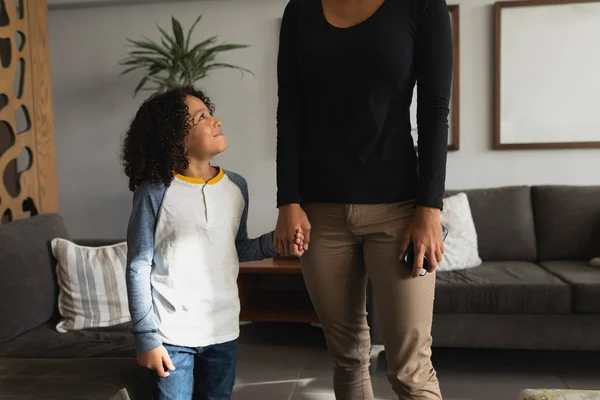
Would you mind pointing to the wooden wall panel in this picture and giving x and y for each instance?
(28, 183)
(42, 105)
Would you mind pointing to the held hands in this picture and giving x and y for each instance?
(156, 360)
(292, 233)
(425, 231)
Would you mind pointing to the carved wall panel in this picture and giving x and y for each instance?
(27, 157)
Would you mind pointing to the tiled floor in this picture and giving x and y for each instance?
(289, 362)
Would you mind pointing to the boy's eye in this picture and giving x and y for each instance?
(201, 117)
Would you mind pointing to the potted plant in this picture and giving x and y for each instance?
(174, 61)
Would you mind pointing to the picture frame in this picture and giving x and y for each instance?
(543, 97)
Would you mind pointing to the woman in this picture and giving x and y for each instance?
(348, 175)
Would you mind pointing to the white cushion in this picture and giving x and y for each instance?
(460, 248)
(92, 286)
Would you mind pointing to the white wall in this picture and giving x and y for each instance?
(93, 107)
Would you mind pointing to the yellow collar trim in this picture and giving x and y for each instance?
(199, 181)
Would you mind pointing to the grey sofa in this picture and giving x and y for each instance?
(535, 288)
(37, 362)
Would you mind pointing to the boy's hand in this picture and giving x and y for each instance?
(299, 241)
(291, 218)
(298, 246)
(156, 360)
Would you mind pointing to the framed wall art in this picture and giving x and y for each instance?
(547, 75)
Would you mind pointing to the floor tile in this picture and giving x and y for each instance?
(267, 372)
(320, 381)
(312, 396)
(580, 370)
(290, 362)
(272, 377)
(584, 380)
(259, 395)
(493, 386)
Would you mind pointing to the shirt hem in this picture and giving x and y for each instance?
(201, 343)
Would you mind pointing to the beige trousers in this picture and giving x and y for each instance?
(349, 242)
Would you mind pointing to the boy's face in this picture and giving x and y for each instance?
(205, 139)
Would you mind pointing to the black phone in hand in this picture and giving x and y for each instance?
(410, 254)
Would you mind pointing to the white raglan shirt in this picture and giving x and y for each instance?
(194, 279)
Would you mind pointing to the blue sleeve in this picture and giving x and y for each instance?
(147, 200)
(250, 249)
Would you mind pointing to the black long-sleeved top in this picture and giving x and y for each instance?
(344, 132)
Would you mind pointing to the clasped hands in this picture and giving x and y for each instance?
(292, 232)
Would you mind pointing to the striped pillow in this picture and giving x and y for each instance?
(93, 292)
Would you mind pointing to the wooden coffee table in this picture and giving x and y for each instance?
(260, 305)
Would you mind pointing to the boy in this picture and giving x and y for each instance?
(186, 236)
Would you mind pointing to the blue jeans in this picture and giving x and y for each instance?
(207, 372)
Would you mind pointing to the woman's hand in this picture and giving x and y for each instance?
(425, 231)
(156, 360)
(292, 232)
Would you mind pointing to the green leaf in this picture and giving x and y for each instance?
(132, 62)
(140, 85)
(178, 32)
(147, 67)
(185, 72)
(203, 58)
(154, 60)
(166, 35)
(224, 65)
(153, 70)
(152, 46)
(158, 80)
(147, 53)
(128, 70)
(227, 47)
(200, 46)
(189, 35)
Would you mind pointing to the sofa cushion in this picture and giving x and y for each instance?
(585, 281)
(504, 221)
(501, 288)
(27, 268)
(567, 222)
(45, 342)
(91, 280)
(83, 379)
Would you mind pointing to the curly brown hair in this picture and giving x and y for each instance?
(154, 145)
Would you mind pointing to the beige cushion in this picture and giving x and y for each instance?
(92, 286)
(461, 251)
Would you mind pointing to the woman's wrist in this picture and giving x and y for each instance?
(426, 210)
(291, 206)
